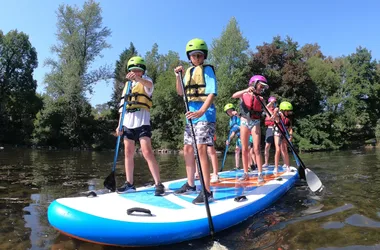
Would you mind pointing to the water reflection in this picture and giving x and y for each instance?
(345, 216)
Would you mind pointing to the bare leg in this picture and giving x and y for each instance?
(256, 135)
(252, 156)
(147, 151)
(278, 151)
(188, 152)
(214, 159)
(285, 153)
(129, 151)
(244, 137)
(202, 150)
(237, 157)
(267, 148)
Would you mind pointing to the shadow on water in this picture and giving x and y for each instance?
(346, 216)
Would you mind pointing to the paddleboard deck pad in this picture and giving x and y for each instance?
(142, 219)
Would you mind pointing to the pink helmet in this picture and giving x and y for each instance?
(258, 78)
(272, 98)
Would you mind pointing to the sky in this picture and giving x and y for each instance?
(338, 26)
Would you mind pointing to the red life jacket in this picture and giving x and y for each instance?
(251, 106)
(286, 122)
(268, 121)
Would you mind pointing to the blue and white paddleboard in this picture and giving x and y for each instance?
(170, 218)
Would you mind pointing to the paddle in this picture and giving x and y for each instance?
(312, 179)
(225, 152)
(110, 181)
(207, 206)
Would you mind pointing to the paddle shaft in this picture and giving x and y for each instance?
(210, 222)
(225, 152)
(282, 132)
(121, 126)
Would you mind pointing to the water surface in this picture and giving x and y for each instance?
(345, 216)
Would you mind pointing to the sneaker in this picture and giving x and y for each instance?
(200, 198)
(275, 171)
(185, 189)
(214, 178)
(244, 177)
(265, 165)
(236, 169)
(126, 188)
(286, 168)
(160, 190)
(260, 178)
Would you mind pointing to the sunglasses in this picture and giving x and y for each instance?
(197, 55)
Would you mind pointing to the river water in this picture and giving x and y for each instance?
(345, 216)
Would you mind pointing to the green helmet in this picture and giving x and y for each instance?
(228, 106)
(196, 44)
(286, 106)
(136, 62)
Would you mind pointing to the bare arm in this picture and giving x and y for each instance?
(178, 70)
(203, 109)
(144, 82)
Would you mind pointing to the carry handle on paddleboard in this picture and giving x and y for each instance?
(210, 222)
(312, 179)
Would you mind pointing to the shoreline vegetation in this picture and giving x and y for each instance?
(336, 100)
(369, 144)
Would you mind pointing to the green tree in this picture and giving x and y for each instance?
(229, 57)
(281, 62)
(167, 117)
(18, 101)
(81, 38)
(360, 93)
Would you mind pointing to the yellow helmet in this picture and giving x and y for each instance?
(136, 62)
(196, 44)
(228, 106)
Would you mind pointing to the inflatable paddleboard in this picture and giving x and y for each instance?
(142, 219)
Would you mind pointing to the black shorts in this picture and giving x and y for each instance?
(269, 135)
(135, 134)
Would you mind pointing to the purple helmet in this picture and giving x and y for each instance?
(272, 98)
(258, 78)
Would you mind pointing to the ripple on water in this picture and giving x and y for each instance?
(362, 221)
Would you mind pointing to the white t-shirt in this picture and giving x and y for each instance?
(141, 117)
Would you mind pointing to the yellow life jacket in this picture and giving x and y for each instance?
(195, 85)
(137, 99)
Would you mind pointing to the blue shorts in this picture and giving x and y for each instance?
(135, 134)
(269, 135)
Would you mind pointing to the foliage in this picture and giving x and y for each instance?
(81, 38)
(18, 100)
(336, 100)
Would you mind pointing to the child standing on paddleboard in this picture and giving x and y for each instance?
(269, 123)
(201, 90)
(250, 113)
(136, 124)
(286, 109)
(234, 125)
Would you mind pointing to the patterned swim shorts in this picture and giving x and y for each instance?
(204, 133)
(249, 123)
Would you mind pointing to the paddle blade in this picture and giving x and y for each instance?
(110, 182)
(312, 180)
